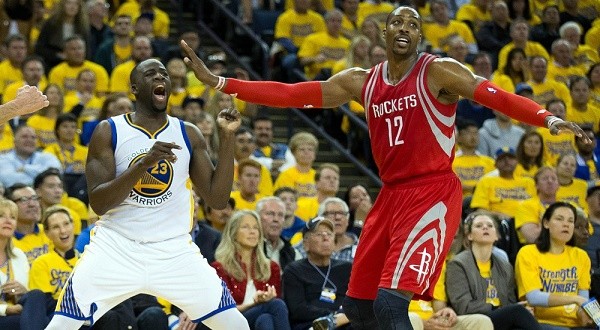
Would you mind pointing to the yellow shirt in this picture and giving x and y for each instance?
(491, 296)
(503, 81)
(556, 145)
(91, 110)
(8, 75)
(296, 27)
(592, 37)
(470, 169)
(378, 12)
(520, 171)
(7, 139)
(528, 211)
(590, 117)
(160, 24)
(564, 274)
(119, 78)
(308, 207)
(10, 92)
(44, 129)
(34, 244)
(72, 161)
(562, 74)
(586, 56)
(575, 193)
(439, 35)
(494, 193)
(242, 204)
(50, 272)
(304, 183)
(65, 76)
(334, 50)
(265, 185)
(532, 48)
(549, 89)
(471, 13)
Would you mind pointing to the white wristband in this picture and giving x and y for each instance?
(552, 121)
(220, 84)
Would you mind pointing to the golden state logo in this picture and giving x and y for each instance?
(153, 186)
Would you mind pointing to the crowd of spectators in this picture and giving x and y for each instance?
(284, 245)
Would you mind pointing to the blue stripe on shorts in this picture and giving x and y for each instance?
(226, 302)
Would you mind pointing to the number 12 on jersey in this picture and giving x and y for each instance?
(394, 130)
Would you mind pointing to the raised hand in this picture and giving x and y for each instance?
(160, 150)
(229, 120)
(29, 99)
(559, 126)
(197, 65)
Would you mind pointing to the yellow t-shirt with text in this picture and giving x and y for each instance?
(564, 274)
(494, 193)
(304, 183)
(50, 272)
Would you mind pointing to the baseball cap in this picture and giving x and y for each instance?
(523, 87)
(315, 222)
(505, 151)
(591, 190)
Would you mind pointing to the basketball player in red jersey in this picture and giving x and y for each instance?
(410, 102)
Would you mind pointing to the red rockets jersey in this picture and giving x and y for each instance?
(412, 133)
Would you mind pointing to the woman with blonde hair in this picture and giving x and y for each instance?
(207, 125)
(357, 56)
(19, 307)
(253, 279)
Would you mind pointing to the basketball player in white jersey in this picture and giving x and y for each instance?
(138, 172)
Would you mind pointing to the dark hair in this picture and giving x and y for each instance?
(552, 101)
(14, 37)
(39, 179)
(589, 73)
(10, 191)
(577, 79)
(244, 130)
(260, 118)
(543, 241)
(63, 118)
(282, 190)
(508, 69)
(513, 15)
(462, 124)
(522, 158)
(32, 58)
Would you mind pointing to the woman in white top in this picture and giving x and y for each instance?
(19, 307)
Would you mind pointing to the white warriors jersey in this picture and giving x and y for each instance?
(160, 206)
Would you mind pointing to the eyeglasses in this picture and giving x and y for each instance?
(27, 199)
(274, 214)
(323, 234)
(333, 214)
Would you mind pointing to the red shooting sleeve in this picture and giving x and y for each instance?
(275, 94)
(515, 106)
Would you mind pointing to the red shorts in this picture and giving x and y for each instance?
(406, 237)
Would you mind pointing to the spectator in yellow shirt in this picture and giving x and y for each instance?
(562, 68)
(581, 110)
(10, 68)
(247, 195)
(519, 33)
(160, 20)
(301, 177)
(544, 88)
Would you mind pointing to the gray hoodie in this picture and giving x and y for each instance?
(492, 137)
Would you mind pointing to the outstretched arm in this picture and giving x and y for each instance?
(29, 99)
(339, 89)
(452, 80)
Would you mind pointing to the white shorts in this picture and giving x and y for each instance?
(114, 268)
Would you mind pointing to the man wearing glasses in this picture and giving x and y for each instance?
(316, 286)
(29, 235)
(336, 210)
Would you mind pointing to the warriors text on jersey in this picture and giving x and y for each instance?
(160, 204)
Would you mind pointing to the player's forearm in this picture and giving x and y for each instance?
(515, 106)
(222, 178)
(111, 194)
(275, 94)
(8, 111)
